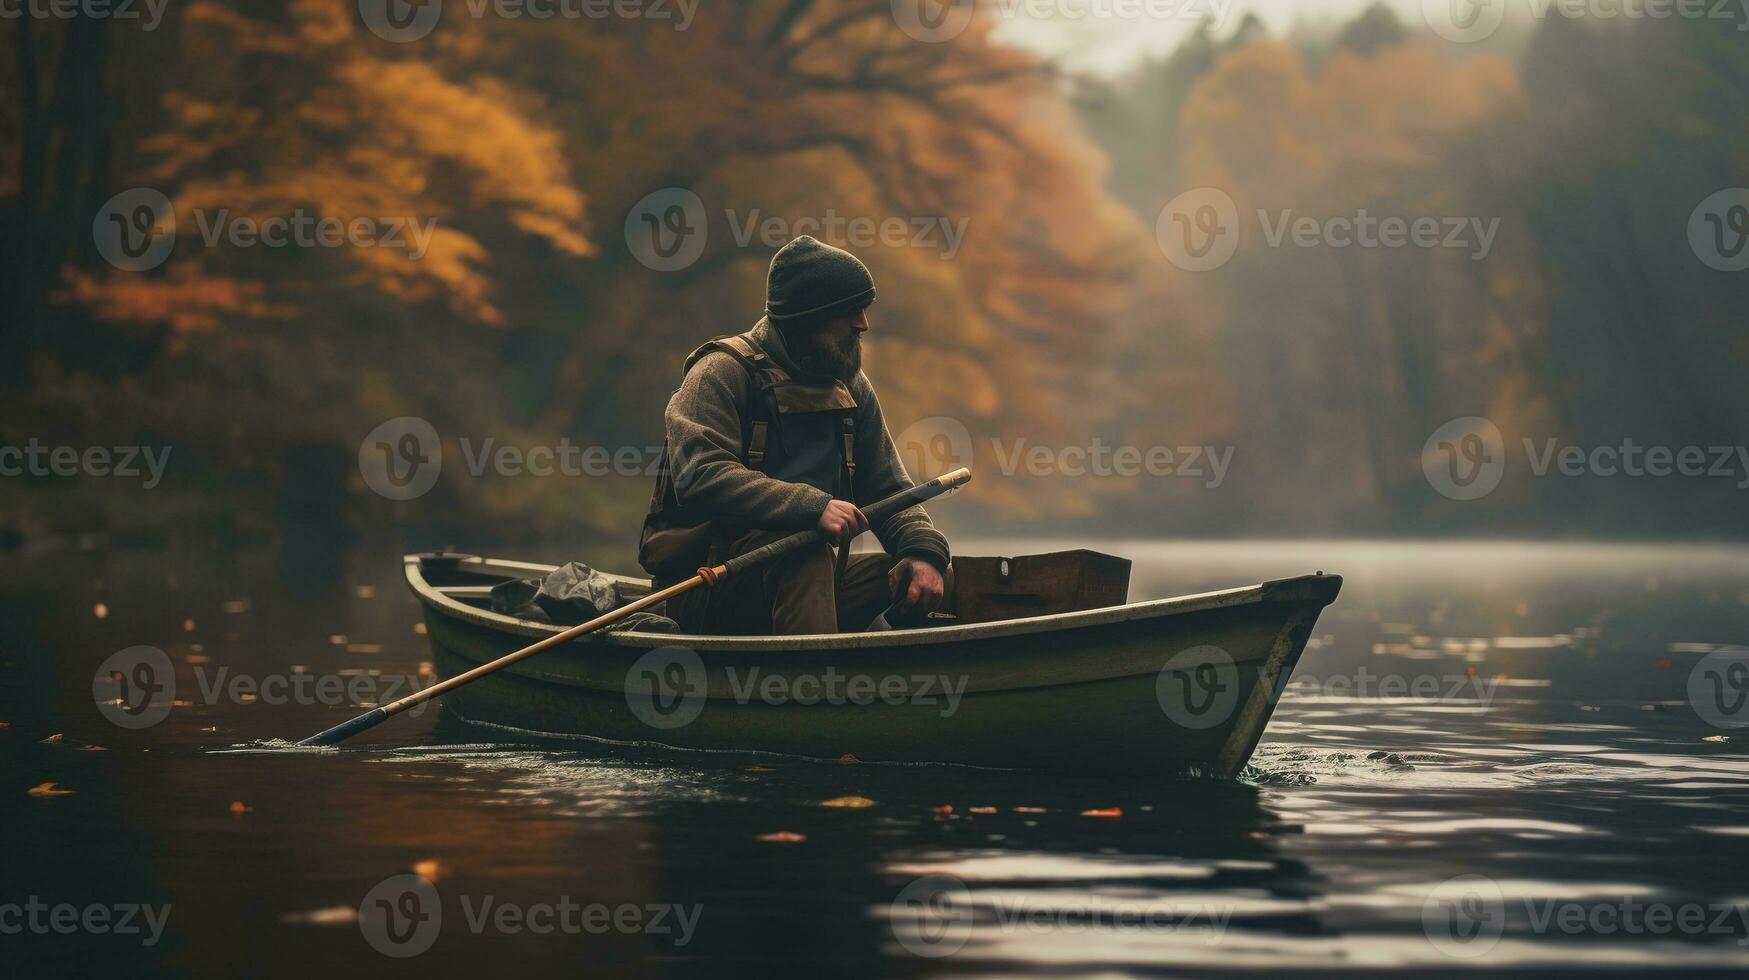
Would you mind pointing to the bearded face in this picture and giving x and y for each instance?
(831, 350)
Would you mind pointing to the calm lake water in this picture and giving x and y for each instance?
(1515, 717)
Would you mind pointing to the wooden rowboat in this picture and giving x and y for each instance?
(1168, 686)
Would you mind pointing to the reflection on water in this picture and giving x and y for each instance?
(1489, 757)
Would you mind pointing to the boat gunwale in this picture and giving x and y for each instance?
(1264, 593)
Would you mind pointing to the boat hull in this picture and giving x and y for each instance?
(1172, 686)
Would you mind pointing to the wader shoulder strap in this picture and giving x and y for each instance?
(850, 448)
(764, 372)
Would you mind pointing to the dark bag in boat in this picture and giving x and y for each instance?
(988, 589)
(570, 594)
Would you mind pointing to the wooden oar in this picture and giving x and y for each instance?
(706, 576)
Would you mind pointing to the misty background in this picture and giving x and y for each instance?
(1060, 319)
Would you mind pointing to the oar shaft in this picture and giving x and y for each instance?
(376, 716)
(876, 512)
(605, 619)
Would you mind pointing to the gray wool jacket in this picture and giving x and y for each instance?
(704, 426)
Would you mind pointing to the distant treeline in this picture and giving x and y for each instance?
(515, 229)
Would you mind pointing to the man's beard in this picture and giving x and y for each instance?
(821, 357)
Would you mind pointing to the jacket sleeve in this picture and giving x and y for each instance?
(704, 428)
(880, 473)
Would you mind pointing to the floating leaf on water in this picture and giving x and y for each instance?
(419, 628)
(847, 759)
(100, 610)
(1662, 664)
(195, 658)
(759, 769)
(235, 607)
(983, 809)
(848, 802)
(5, 725)
(365, 591)
(364, 648)
(1030, 809)
(52, 739)
(430, 869)
(782, 837)
(239, 808)
(188, 626)
(213, 728)
(1709, 738)
(337, 639)
(1109, 813)
(48, 789)
(944, 808)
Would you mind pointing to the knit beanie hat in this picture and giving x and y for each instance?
(812, 279)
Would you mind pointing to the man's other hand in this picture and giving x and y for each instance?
(842, 521)
(924, 588)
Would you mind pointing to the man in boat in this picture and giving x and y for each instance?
(778, 430)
